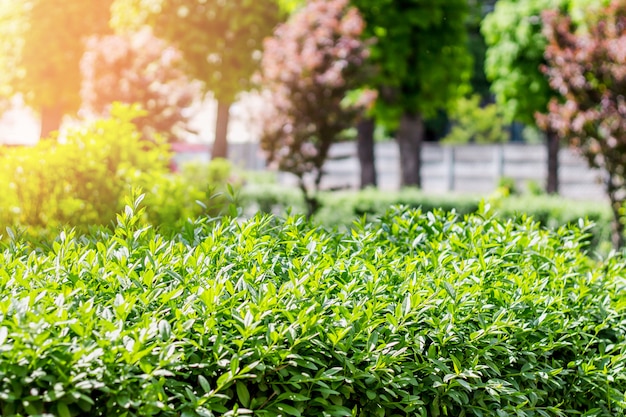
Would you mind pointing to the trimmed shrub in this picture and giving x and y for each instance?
(271, 198)
(415, 314)
(341, 209)
(79, 182)
(198, 190)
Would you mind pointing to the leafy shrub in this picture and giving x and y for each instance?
(199, 189)
(271, 198)
(81, 181)
(341, 209)
(416, 314)
(553, 212)
(474, 123)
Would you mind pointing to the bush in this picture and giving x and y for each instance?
(473, 123)
(79, 182)
(271, 198)
(199, 189)
(82, 182)
(554, 211)
(341, 209)
(416, 314)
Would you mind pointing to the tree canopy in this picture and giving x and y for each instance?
(420, 53)
(516, 45)
(45, 42)
(309, 66)
(586, 69)
(139, 68)
(422, 66)
(221, 43)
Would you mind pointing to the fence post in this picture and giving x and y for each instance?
(448, 163)
(498, 163)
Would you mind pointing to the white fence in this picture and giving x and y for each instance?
(462, 169)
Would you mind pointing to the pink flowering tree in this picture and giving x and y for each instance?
(143, 69)
(309, 66)
(587, 67)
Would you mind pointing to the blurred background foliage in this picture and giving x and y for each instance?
(457, 71)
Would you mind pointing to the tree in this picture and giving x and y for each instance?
(309, 66)
(422, 63)
(139, 68)
(46, 44)
(221, 43)
(587, 69)
(516, 44)
(478, 48)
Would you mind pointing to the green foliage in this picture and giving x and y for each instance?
(421, 54)
(415, 314)
(508, 186)
(220, 40)
(197, 190)
(45, 41)
(341, 209)
(473, 123)
(516, 45)
(271, 198)
(81, 181)
(513, 33)
(534, 188)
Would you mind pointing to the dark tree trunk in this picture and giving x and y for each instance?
(410, 137)
(51, 117)
(552, 182)
(310, 198)
(617, 229)
(617, 232)
(365, 150)
(220, 145)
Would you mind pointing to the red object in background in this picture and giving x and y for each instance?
(184, 152)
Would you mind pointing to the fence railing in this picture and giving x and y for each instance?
(462, 169)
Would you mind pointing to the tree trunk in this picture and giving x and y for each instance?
(614, 193)
(552, 183)
(220, 145)
(310, 198)
(365, 150)
(617, 229)
(51, 118)
(410, 137)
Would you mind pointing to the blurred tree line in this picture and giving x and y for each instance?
(427, 66)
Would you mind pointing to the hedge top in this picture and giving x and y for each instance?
(416, 314)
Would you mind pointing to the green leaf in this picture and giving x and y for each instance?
(243, 394)
(287, 409)
(165, 330)
(63, 410)
(204, 384)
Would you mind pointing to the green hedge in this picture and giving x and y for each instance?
(414, 314)
(341, 209)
